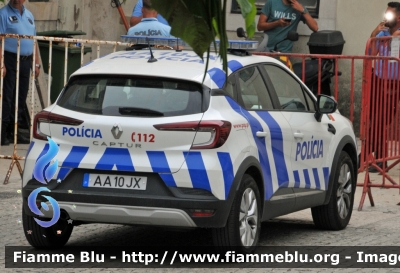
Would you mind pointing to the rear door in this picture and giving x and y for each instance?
(270, 132)
(118, 117)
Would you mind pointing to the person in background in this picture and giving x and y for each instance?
(389, 25)
(149, 25)
(16, 19)
(278, 17)
(384, 83)
(137, 15)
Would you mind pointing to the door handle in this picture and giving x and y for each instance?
(298, 135)
(261, 134)
(331, 129)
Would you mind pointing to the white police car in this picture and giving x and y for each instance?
(151, 143)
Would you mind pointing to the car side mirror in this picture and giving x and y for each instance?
(325, 105)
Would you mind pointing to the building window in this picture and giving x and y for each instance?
(311, 5)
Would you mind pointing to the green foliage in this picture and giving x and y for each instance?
(201, 22)
(249, 12)
(189, 20)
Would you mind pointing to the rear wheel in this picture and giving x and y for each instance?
(337, 213)
(242, 229)
(52, 237)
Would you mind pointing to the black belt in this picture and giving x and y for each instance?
(21, 57)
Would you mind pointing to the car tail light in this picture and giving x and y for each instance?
(219, 129)
(47, 117)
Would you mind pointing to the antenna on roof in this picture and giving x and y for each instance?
(152, 59)
(177, 45)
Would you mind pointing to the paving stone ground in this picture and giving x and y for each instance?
(373, 226)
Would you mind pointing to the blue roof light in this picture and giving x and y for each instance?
(172, 42)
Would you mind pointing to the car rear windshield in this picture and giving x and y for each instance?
(121, 96)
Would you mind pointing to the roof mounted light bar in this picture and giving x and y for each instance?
(176, 42)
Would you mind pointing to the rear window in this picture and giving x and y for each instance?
(120, 96)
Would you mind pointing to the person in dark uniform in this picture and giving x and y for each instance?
(16, 19)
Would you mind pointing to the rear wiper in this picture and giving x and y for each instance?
(135, 111)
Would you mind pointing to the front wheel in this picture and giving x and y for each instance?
(242, 229)
(337, 213)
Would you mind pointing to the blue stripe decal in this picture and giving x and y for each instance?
(75, 157)
(307, 178)
(44, 151)
(121, 158)
(316, 178)
(62, 174)
(234, 65)
(29, 149)
(227, 170)
(72, 161)
(296, 179)
(197, 170)
(168, 179)
(277, 147)
(86, 180)
(326, 177)
(261, 146)
(159, 164)
(284, 185)
(218, 76)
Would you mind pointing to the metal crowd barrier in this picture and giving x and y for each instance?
(345, 79)
(15, 158)
(380, 128)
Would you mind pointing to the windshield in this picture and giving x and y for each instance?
(132, 96)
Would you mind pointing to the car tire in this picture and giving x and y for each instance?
(46, 238)
(242, 230)
(337, 213)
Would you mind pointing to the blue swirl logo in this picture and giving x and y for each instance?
(43, 172)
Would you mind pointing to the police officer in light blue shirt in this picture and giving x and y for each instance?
(149, 25)
(137, 15)
(16, 19)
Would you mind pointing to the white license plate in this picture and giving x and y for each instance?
(114, 181)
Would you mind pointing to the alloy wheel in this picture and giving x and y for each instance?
(248, 218)
(344, 191)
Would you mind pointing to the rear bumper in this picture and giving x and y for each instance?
(163, 206)
(100, 213)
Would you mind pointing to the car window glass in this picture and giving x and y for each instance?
(107, 95)
(289, 91)
(230, 85)
(253, 90)
(310, 102)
